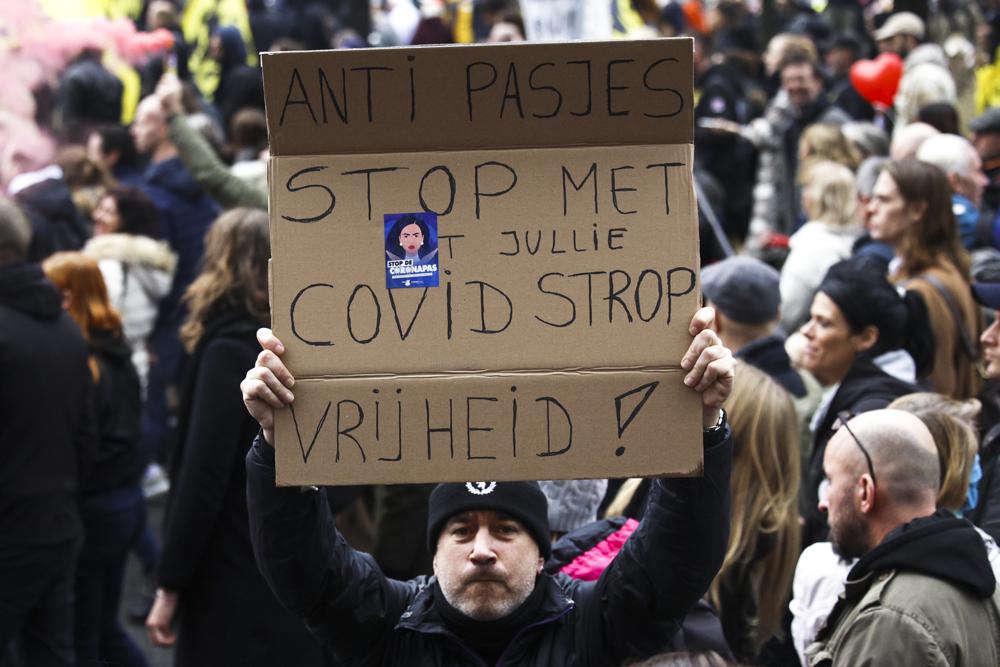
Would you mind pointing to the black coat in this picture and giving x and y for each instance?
(986, 513)
(47, 437)
(227, 615)
(118, 460)
(866, 387)
(366, 618)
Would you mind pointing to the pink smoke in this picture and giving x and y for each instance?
(34, 49)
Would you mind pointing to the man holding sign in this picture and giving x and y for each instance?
(488, 601)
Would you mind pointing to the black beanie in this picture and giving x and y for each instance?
(523, 501)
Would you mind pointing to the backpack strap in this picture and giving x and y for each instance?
(969, 345)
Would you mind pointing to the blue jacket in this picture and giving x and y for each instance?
(366, 618)
(186, 214)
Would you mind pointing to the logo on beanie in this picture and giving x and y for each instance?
(480, 488)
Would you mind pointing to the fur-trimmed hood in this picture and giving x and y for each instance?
(132, 249)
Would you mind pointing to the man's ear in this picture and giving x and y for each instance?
(541, 564)
(867, 497)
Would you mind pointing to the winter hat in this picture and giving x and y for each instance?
(522, 500)
(744, 289)
(573, 502)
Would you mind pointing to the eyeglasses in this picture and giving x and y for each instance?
(844, 416)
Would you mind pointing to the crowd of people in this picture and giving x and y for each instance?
(848, 362)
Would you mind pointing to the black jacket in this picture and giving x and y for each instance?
(768, 354)
(986, 513)
(366, 618)
(866, 387)
(56, 224)
(118, 460)
(47, 434)
(227, 615)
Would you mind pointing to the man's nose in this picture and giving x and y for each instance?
(483, 547)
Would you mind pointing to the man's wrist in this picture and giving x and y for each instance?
(713, 421)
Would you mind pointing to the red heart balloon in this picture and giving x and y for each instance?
(877, 80)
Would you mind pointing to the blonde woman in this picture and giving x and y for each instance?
(822, 142)
(209, 584)
(953, 425)
(754, 585)
(830, 200)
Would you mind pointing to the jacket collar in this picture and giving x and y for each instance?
(422, 616)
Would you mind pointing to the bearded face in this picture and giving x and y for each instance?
(486, 564)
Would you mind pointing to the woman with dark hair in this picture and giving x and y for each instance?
(111, 504)
(208, 579)
(856, 316)
(137, 267)
(911, 210)
(410, 238)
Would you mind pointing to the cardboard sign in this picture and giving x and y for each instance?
(533, 207)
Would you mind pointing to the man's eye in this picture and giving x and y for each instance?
(460, 531)
(508, 529)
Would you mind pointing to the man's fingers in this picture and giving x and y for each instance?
(703, 319)
(718, 370)
(261, 384)
(272, 362)
(269, 341)
(702, 341)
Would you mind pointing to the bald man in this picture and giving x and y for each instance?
(923, 591)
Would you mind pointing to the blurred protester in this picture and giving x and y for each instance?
(200, 158)
(85, 178)
(907, 141)
(209, 584)
(112, 147)
(825, 142)
(926, 80)
(163, 14)
(855, 317)
(868, 173)
(868, 139)
(845, 49)
(744, 292)
(952, 424)
(49, 439)
(900, 34)
(802, 84)
(111, 503)
(186, 213)
(240, 85)
(572, 503)
(830, 202)
(89, 95)
(986, 140)
(754, 584)
(45, 198)
(986, 513)
(911, 211)
(923, 589)
(248, 146)
(942, 116)
(137, 266)
(956, 157)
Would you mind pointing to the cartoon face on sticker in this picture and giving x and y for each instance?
(411, 250)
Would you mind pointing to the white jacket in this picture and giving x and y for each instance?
(138, 272)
